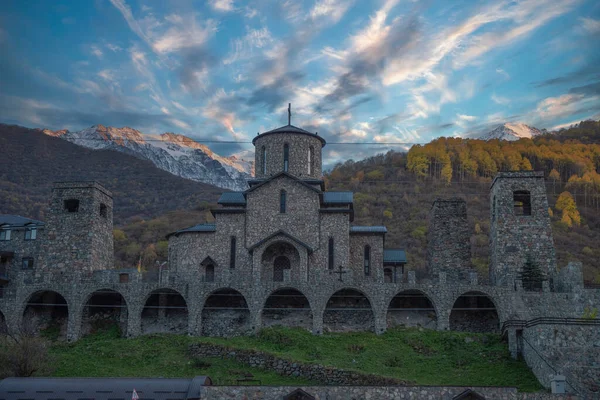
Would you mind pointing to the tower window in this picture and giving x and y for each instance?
(232, 253)
(30, 233)
(264, 160)
(5, 234)
(311, 156)
(367, 260)
(494, 209)
(27, 263)
(331, 253)
(522, 202)
(282, 201)
(286, 157)
(209, 273)
(103, 210)
(72, 205)
(123, 278)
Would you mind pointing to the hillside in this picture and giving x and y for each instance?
(31, 161)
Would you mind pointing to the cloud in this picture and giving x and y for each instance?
(503, 73)
(244, 47)
(590, 25)
(114, 48)
(185, 32)
(499, 99)
(222, 5)
(333, 10)
(591, 89)
(95, 50)
(566, 105)
(134, 25)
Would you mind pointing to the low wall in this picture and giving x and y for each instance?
(313, 372)
(370, 392)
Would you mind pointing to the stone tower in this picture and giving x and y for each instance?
(289, 149)
(520, 227)
(79, 228)
(448, 240)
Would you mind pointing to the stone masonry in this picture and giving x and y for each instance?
(285, 252)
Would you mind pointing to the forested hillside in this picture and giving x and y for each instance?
(30, 161)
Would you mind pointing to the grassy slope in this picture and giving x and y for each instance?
(421, 356)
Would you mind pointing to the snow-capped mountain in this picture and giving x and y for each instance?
(173, 153)
(511, 131)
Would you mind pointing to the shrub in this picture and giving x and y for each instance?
(24, 356)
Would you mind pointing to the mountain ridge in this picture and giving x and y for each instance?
(171, 152)
(511, 131)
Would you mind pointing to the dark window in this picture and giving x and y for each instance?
(232, 253)
(367, 260)
(209, 273)
(72, 205)
(280, 264)
(30, 233)
(311, 156)
(264, 160)
(522, 202)
(286, 157)
(103, 210)
(388, 275)
(27, 263)
(4, 234)
(331, 255)
(123, 278)
(282, 201)
(494, 209)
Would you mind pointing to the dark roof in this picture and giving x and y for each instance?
(368, 229)
(17, 220)
(279, 174)
(394, 256)
(290, 129)
(196, 228)
(232, 199)
(338, 197)
(285, 234)
(102, 388)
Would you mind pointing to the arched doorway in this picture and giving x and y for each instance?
(280, 263)
(411, 308)
(47, 314)
(105, 309)
(348, 310)
(287, 307)
(474, 312)
(226, 314)
(165, 311)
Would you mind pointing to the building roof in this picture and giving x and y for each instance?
(338, 197)
(102, 388)
(17, 220)
(394, 256)
(279, 174)
(290, 129)
(195, 228)
(368, 229)
(232, 199)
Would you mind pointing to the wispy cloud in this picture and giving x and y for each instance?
(222, 5)
(95, 50)
(499, 99)
(590, 25)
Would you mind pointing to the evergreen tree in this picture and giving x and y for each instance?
(532, 276)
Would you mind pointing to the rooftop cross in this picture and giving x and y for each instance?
(289, 113)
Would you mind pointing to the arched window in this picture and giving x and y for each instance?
(286, 157)
(522, 202)
(232, 253)
(367, 260)
(282, 201)
(311, 156)
(331, 253)
(209, 273)
(264, 160)
(280, 265)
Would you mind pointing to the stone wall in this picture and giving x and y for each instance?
(313, 372)
(372, 392)
(448, 240)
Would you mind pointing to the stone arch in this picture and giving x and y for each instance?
(276, 251)
(474, 311)
(165, 311)
(348, 309)
(412, 308)
(102, 309)
(225, 313)
(287, 306)
(46, 312)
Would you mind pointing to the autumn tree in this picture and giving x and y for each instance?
(566, 204)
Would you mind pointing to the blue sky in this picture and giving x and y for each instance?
(355, 71)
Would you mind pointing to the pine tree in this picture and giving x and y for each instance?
(532, 276)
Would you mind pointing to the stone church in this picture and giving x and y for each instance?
(286, 252)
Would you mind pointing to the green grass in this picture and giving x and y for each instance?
(424, 357)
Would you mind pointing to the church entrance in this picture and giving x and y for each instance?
(281, 268)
